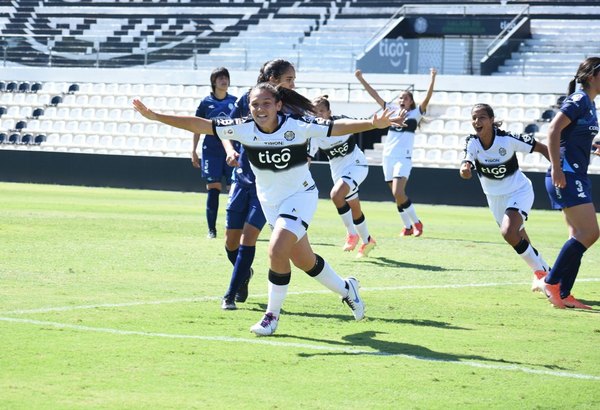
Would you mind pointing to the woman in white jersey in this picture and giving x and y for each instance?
(349, 169)
(276, 145)
(492, 153)
(397, 150)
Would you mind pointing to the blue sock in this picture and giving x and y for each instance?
(241, 268)
(232, 255)
(212, 208)
(566, 266)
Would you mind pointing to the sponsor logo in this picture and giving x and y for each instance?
(273, 142)
(497, 172)
(340, 150)
(393, 49)
(279, 160)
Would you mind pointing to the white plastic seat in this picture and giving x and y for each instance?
(123, 128)
(516, 127)
(435, 141)
(501, 113)
(132, 142)
(451, 142)
(516, 114)
(114, 114)
(515, 100)
(532, 114)
(105, 141)
(499, 99)
(118, 142)
(452, 112)
(452, 126)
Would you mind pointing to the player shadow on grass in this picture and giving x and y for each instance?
(344, 317)
(387, 262)
(368, 339)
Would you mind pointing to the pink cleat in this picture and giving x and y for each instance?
(365, 248)
(418, 228)
(351, 242)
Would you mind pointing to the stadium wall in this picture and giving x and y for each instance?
(435, 186)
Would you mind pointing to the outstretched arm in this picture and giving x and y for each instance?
(425, 102)
(196, 125)
(369, 89)
(345, 126)
(542, 149)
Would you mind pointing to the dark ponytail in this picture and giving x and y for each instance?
(273, 68)
(293, 103)
(587, 69)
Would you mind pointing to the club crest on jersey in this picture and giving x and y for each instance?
(502, 151)
(576, 97)
(229, 131)
(289, 135)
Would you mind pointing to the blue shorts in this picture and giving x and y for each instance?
(577, 192)
(214, 167)
(243, 207)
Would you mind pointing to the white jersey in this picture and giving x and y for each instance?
(280, 159)
(399, 141)
(497, 166)
(341, 152)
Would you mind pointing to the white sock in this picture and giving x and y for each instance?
(362, 230)
(412, 213)
(406, 219)
(277, 295)
(347, 220)
(535, 261)
(332, 280)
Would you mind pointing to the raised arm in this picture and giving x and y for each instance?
(196, 125)
(345, 126)
(425, 102)
(369, 89)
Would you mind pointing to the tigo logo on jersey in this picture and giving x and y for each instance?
(279, 160)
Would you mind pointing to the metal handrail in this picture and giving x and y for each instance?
(500, 37)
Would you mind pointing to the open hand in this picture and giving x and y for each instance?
(143, 110)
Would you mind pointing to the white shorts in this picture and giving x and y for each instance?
(294, 213)
(520, 200)
(396, 167)
(352, 175)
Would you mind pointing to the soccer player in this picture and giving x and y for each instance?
(398, 148)
(491, 152)
(349, 169)
(245, 218)
(276, 145)
(216, 105)
(570, 139)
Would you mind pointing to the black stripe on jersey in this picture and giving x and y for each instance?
(411, 126)
(294, 218)
(526, 138)
(340, 150)
(498, 171)
(277, 159)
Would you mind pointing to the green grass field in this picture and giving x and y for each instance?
(111, 299)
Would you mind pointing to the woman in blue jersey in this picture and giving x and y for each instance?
(398, 148)
(491, 152)
(570, 139)
(245, 218)
(214, 168)
(276, 145)
(349, 169)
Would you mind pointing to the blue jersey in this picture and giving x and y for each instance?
(243, 173)
(576, 139)
(211, 107)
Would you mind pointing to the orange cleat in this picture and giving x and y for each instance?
(351, 242)
(573, 303)
(406, 231)
(552, 292)
(418, 228)
(538, 278)
(365, 248)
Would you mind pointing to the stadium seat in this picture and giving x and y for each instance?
(24, 87)
(35, 87)
(548, 115)
(39, 139)
(531, 129)
(20, 125)
(14, 138)
(27, 139)
(57, 99)
(37, 112)
(3, 137)
(12, 87)
(2, 111)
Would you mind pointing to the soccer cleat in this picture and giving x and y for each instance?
(266, 326)
(552, 292)
(365, 248)
(211, 235)
(538, 278)
(418, 228)
(406, 231)
(242, 293)
(228, 304)
(351, 242)
(353, 299)
(573, 303)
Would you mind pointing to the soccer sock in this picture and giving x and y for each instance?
(278, 286)
(326, 276)
(566, 266)
(346, 214)
(361, 227)
(241, 268)
(409, 209)
(232, 255)
(212, 208)
(530, 255)
(405, 217)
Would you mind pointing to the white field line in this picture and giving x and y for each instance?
(306, 346)
(308, 292)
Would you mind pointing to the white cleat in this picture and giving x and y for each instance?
(266, 326)
(353, 299)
